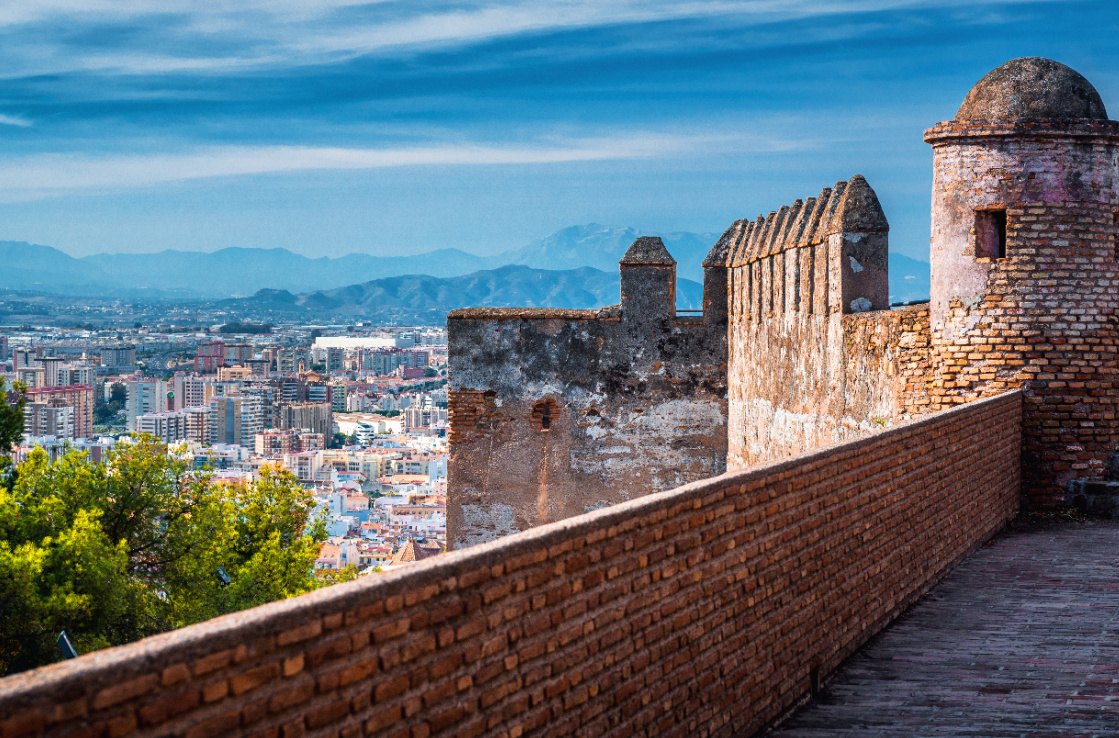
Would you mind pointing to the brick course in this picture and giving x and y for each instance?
(697, 611)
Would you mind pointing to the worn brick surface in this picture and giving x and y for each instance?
(801, 373)
(1018, 640)
(634, 397)
(1042, 317)
(698, 611)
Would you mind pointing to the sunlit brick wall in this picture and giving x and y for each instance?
(701, 610)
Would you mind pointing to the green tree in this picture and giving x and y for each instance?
(11, 415)
(261, 535)
(107, 412)
(115, 552)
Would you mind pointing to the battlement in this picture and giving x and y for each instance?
(826, 254)
(809, 222)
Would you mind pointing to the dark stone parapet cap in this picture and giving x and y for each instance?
(1052, 128)
(483, 313)
(647, 251)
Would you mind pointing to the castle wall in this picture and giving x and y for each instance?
(633, 407)
(1042, 318)
(704, 610)
(816, 356)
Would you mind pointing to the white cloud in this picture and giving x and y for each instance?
(11, 120)
(45, 174)
(256, 33)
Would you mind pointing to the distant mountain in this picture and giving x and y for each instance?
(232, 272)
(422, 298)
(602, 247)
(211, 275)
(909, 278)
(239, 271)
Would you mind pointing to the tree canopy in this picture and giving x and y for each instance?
(11, 415)
(115, 552)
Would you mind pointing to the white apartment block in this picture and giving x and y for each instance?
(170, 427)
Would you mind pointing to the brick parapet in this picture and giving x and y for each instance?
(701, 610)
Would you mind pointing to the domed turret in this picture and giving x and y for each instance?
(1025, 210)
(1031, 88)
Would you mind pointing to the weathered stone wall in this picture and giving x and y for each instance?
(1042, 318)
(815, 355)
(704, 610)
(632, 409)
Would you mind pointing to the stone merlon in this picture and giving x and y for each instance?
(648, 250)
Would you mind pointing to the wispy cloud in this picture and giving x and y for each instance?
(11, 120)
(44, 174)
(180, 35)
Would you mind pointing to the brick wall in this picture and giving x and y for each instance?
(1043, 316)
(698, 611)
(634, 407)
(803, 371)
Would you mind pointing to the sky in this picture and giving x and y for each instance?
(334, 126)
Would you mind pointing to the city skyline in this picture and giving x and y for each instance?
(385, 128)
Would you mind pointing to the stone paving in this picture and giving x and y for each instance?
(1021, 639)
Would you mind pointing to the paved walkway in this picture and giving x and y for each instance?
(1021, 639)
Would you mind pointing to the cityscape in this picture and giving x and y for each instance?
(357, 413)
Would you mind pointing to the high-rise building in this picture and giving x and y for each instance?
(235, 419)
(61, 373)
(77, 396)
(288, 360)
(210, 356)
(198, 424)
(115, 359)
(236, 354)
(319, 392)
(190, 390)
(335, 356)
(52, 417)
(259, 368)
(317, 417)
(145, 396)
(237, 373)
(3, 348)
(170, 427)
(274, 442)
(339, 398)
(27, 358)
(31, 376)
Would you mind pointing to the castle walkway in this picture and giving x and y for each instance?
(1022, 638)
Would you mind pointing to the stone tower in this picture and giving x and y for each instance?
(1024, 268)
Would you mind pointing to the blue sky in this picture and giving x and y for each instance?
(330, 126)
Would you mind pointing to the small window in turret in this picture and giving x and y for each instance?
(990, 233)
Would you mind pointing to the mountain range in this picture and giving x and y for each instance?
(575, 267)
(425, 299)
(240, 271)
